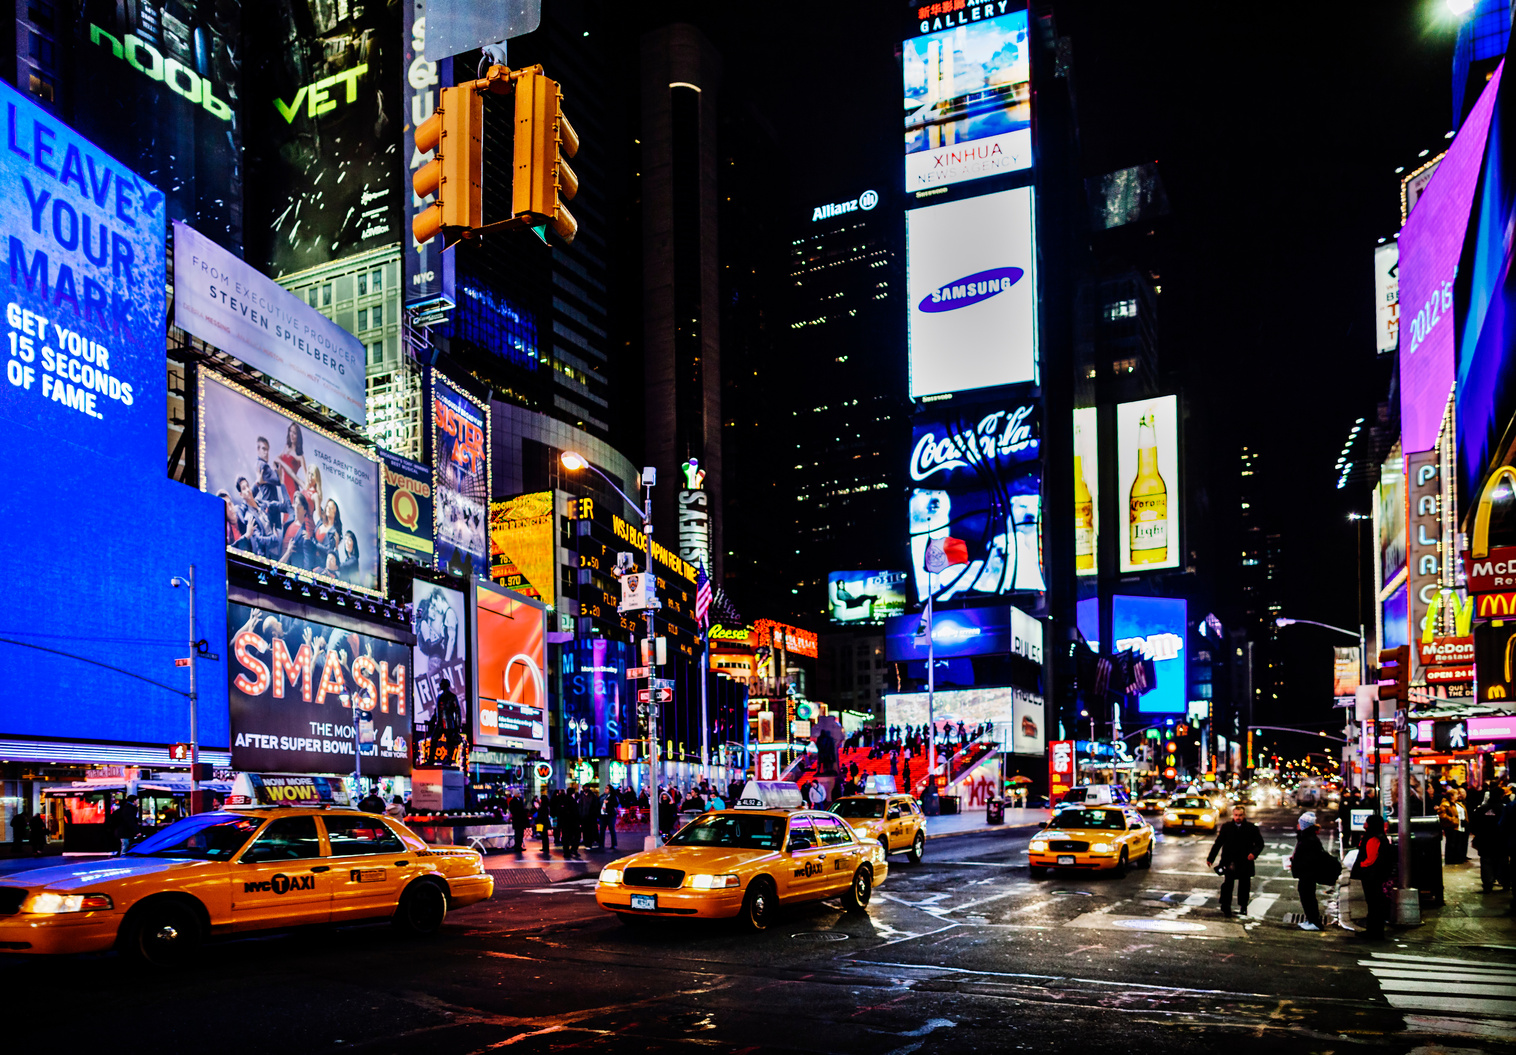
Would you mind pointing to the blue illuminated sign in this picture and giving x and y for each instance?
(1155, 628)
(95, 530)
(965, 632)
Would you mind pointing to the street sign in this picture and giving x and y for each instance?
(637, 673)
(639, 592)
(664, 683)
(182, 662)
(1400, 721)
(655, 695)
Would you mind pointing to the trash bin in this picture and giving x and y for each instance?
(994, 811)
(1426, 857)
(948, 804)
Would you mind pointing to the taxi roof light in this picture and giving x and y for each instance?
(770, 795)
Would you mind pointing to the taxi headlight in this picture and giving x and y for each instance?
(51, 904)
(1101, 848)
(1207, 817)
(1171, 816)
(1038, 847)
(704, 882)
(610, 876)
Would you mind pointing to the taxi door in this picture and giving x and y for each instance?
(1139, 834)
(805, 864)
(370, 865)
(843, 853)
(895, 825)
(282, 879)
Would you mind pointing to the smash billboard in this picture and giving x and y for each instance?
(296, 686)
(976, 475)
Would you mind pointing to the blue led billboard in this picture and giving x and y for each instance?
(965, 632)
(1087, 618)
(597, 708)
(1155, 627)
(92, 626)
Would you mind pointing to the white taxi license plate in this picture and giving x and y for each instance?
(645, 902)
(1065, 859)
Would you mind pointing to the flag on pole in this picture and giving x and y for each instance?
(942, 552)
(702, 596)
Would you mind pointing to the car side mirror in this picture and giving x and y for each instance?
(800, 842)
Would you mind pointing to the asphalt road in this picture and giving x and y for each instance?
(963, 953)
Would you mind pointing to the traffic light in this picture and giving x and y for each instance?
(456, 173)
(1395, 668)
(542, 180)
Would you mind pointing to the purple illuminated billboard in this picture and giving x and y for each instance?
(1430, 244)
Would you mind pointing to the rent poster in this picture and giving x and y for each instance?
(442, 656)
(461, 498)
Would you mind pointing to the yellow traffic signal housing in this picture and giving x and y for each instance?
(542, 180)
(1395, 667)
(456, 174)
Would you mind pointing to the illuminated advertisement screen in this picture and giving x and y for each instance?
(83, 411)
(407, 509)
(1147, 479)
(440, 621)
(512, 643)
(865, 596)
(976, 475)
(429, 273)
(962, 632)
(1155, 627)
(232, 306)
(296, 685)
(1387, 297)
(598, 706)
(1430, 244)
(461, 497)
(1087, 618)
(971, 286)
(1395, 620)
(1017, 714)
(968, 93)
(296, 497)
(325, 109)
(162, 87)
(1086, 492)
(523, 545)
(1389, 519)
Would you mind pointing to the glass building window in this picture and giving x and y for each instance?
(362, 285)
(326, 295)
(362, 319)
(377, 279)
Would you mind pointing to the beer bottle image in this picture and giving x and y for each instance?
(1148, 501)
(1084, 515)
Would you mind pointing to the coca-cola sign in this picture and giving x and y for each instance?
(997, 435)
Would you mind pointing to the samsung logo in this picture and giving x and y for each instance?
(865, 201)
(971, 289)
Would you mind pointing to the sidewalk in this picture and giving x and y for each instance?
(532, 867)
(1468, 916)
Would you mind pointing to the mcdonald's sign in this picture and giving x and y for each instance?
(1490, 570)
(1495, 661)
(1496, 605)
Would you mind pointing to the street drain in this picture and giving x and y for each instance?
(819, 935)
(1071, 893)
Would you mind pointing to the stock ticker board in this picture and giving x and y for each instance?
(593, 536)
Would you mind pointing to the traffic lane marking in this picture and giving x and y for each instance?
(1111, 921)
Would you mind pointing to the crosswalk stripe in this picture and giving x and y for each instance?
(1261, 904)
(1401, 985)
(1507, 977)
(1379, 957)
(1451, 1003)
(1197, 899)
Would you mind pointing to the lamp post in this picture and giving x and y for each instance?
(194, 699)
(575, 462)
(1363, 677)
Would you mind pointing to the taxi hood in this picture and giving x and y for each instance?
(96, 874)
(699, 859)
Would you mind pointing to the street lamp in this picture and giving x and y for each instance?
(1363, 678)
(574, 462)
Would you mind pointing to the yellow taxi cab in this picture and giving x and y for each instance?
(1092, 838)
(235, 870)
(745, 862)
(1187, 813)
(893, 821)
(1153, 802)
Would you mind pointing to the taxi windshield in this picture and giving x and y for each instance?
(859, 808)
(1190, 804)
(1091, 819)
(206, 837)
(736, 831)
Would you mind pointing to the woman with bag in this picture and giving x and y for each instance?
(1375, 869)
(1311, 865)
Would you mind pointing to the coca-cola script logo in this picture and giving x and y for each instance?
(1001, 433)
(971, 289)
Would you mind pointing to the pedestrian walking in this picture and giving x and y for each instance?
(371, 803)
(1311, 864)
(39, 833)
(668, 815)
(608, 816)
(1238, 844)
(1375, 869)
(396, 809)
(545, 823)
(126, 822)
(589, 818)
(1484, 823)
(20, 826)
(520, 822)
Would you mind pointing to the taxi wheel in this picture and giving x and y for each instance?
(163, 933)
(1147, 858)
(917, 850)
(422, 909)
(758, 904)
(1121, 864)
(858, 893)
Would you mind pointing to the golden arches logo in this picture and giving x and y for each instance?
(1479, 545)
(1496, 605)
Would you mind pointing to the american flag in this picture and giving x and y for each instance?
(702, 596)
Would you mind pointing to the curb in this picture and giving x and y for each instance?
(990, 830)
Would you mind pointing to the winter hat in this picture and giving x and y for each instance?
(1307, 820)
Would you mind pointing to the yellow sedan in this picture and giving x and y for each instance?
(239, 870)
(895, 822)
(744, 863)
(1093, 838)
(1190, 813)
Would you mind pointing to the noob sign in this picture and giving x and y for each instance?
(83, 294)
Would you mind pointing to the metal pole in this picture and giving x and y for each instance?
(705, 735)
(931, 686)
(193, 699)
(1403, 827)
(653, 841)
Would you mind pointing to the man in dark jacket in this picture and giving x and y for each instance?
(1484, 823)
(1238, 844)
(126, 822)
(589, 818)
(1309, 864)
(520, 821)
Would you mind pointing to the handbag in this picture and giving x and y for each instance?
(1329, 870)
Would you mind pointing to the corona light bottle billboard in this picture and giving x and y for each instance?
(1084, 506)
(1149, 501)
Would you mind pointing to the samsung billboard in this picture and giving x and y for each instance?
(971, 289)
